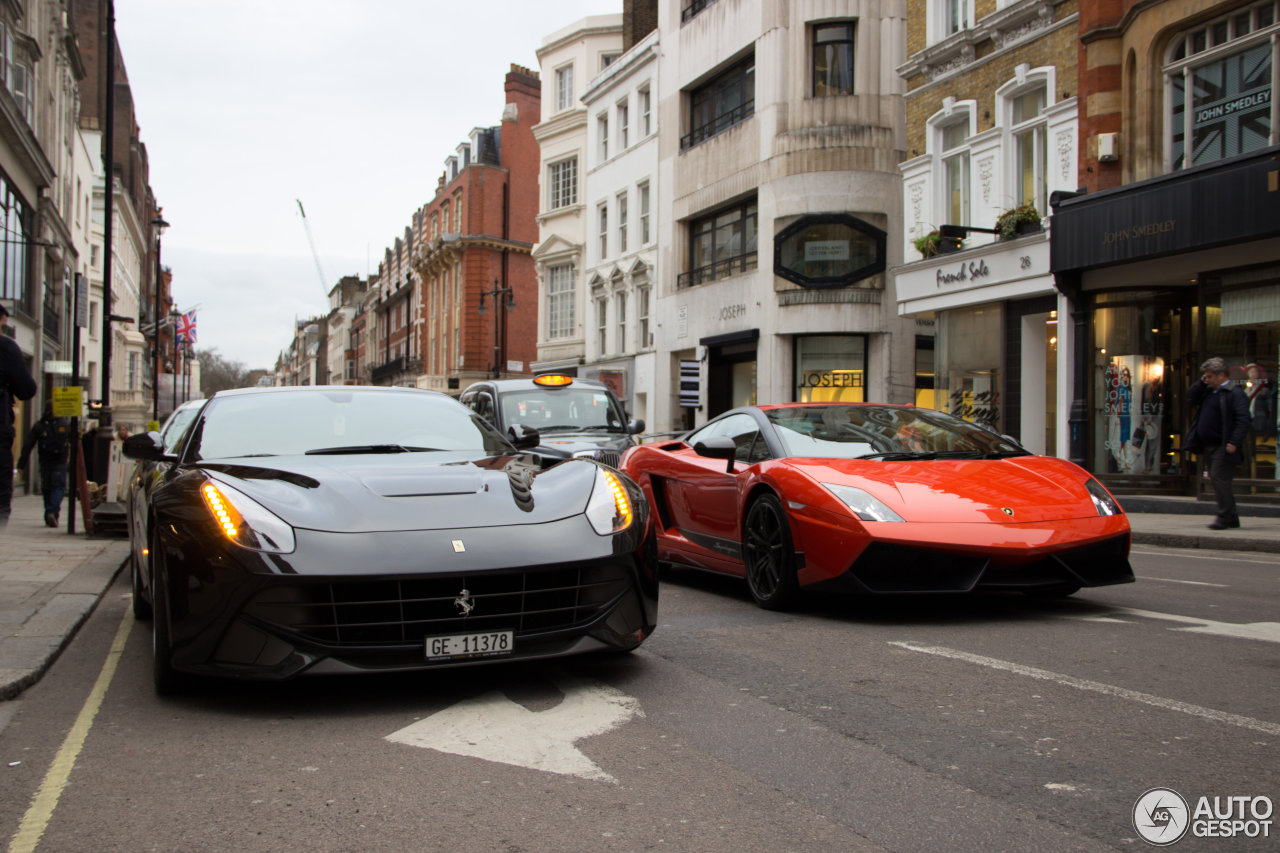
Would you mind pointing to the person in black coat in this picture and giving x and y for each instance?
(50, 438)
(1219, 431)
(15, 384)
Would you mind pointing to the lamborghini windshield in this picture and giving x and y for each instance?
(884, 432)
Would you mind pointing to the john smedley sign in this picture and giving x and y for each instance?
(1137, 232)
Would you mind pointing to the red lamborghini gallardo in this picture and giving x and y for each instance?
(874, 498)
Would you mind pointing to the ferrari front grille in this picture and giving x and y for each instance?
(398, 611)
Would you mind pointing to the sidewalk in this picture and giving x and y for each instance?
(50, 581)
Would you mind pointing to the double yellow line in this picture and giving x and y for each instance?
(40, 812)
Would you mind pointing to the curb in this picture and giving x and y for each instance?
(27, 654)
(1206, 543)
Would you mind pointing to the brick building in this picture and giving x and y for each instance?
(477, 309)
(991, 127)
(1170, 255)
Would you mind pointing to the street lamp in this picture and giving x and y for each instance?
(499, 339)
(159, 224)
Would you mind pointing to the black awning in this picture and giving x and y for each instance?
(1232, 201)
(731, 338)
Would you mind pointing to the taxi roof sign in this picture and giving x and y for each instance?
(553, 380)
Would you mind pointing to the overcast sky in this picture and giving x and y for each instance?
(351, 106)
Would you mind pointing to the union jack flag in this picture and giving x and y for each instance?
(187, 327)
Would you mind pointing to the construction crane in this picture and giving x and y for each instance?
(324, 281)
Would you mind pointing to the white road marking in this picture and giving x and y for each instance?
(1190, 583)
(1267, 632)
(494, 728)
(1210, 714)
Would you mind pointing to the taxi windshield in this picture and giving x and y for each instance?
(568, 409)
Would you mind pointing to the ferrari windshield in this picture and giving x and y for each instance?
(336, 420)
(884, 432)
(568, 409)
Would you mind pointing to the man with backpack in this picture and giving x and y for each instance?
(16, 384)
(48, 437)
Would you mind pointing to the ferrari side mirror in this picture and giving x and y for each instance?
(147, 446)
(524, 437)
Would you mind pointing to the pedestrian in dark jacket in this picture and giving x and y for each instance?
(1220, 430)
(15, 384)
(49, 438)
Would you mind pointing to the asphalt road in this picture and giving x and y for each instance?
(991, 723)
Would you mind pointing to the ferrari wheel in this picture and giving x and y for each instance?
(166, 679)
(768, 555)
(141, 607)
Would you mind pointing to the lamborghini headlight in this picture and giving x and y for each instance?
(863, 504)
(1102, 500)
(609, 510)
(246, 522)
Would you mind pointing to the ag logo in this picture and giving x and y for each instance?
(1161, 816)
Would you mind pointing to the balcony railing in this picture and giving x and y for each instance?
(692, 8)
(718, 270)
(390, 368)
(718, 125)
(52, 324)
(387, 369)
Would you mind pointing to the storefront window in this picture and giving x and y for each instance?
(969, 358)
(1145, 356)
(1134, 342)
(831, 368)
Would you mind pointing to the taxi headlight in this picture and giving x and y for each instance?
(863, 504)
(246, 522)
(609, 510)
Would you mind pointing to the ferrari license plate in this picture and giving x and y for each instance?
(483, 645)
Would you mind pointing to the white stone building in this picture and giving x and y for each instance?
(622, 242)
(568, 60)
(780, 203)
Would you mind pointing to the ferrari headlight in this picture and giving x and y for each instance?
(245, 521)
(1102, 500)
(609, 509)
(863, 504)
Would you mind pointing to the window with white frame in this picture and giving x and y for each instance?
(602, 319)
(624, 126)
(953, 141)
(1227, 67)
(643, 190)
(642, 315)
(560, 301)
(562, 183)
(607, 59)
(952, 16)
(620, 310)
(602, 215)
(564, 87)
(602, 131)
(622, 222)
(645, 101)
(1029, 139)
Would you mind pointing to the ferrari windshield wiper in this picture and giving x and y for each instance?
(366, 448)
(1005, 454)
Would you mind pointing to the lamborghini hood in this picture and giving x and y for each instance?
(1023, 489)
